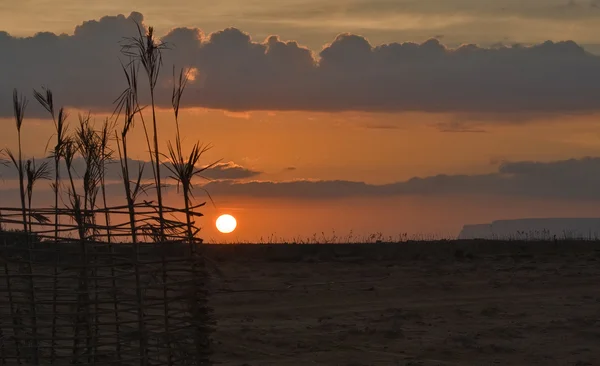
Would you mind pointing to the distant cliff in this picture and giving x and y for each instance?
(571, 228)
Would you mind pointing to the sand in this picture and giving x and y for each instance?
(459, 304)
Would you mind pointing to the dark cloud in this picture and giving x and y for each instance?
(381, 126)
(228, 171)
(237, 73)
(462, 125)
(293, 189)
(574, 179)
(569, 179)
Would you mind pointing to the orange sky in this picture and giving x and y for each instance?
(369, 147)
(349, 146)
(374, 148)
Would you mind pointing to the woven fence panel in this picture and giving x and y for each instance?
(88, 303)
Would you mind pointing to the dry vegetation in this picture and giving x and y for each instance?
(82, 285)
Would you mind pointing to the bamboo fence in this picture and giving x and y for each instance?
(84, 294)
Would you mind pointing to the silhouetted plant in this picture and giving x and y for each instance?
(92, 147)
(47, 101)
(185, 167)
(128, 106)
(148, 52)
(89, 145)
(19, 106)
(34, 173)
(106, 156)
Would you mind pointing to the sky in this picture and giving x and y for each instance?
(339, 119)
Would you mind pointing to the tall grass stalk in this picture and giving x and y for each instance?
(130, 94)
(46, 99)
(128, 105)
(19, 106)
(76, 210)
(89, 144)
(34, 173)
(130, 195)
(106, 155)
(69, 152)
(184, 168)
(147, 50)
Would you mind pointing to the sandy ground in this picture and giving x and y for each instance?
(472, 307)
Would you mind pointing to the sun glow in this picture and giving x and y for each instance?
(226, 224)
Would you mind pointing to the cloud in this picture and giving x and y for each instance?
(462, 125)
(238, 74)
(568, 179)
(228, 170)
(573, 179)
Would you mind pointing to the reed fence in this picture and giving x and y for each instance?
(83, 283)
(87, 295)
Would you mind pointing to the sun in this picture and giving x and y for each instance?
(226, 224)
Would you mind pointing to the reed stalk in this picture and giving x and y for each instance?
(89, 145)
(184, 168)
(75, 210)
(146, 50)
(107, 157)
(47, 101)
(129, 106)
(19, 106)
(34, 173)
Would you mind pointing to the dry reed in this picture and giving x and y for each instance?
(90, 283)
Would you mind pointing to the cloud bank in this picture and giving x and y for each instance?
(239, 74)
(576, 179)
(573, 179)
(227, 170)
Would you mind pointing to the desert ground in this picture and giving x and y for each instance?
(443, 303)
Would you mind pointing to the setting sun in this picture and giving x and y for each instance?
(226, 224)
